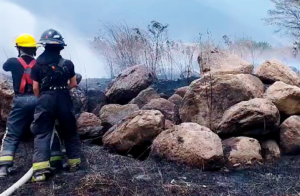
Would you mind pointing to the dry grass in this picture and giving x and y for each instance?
(92, 183)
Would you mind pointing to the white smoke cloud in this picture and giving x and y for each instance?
(15, 20)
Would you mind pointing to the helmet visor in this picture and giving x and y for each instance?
(51, 41)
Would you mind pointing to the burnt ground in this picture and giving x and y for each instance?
(104, 173)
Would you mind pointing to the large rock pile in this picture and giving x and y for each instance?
(227, 118)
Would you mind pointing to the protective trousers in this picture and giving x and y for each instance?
(18, 127)
(54, 105)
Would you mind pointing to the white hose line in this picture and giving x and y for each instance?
(19, 183)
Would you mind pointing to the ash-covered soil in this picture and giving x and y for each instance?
(110, 174)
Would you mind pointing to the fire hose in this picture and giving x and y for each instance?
(28, 175)
(18, 184)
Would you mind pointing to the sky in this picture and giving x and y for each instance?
(186, 18)
(81, 20)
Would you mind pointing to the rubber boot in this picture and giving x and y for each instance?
(74, 164)
(40, 176)
(74, 168)
(56, 165)
(3, 171)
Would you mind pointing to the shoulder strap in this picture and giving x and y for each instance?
(25, 65)
(32, 63)
(61, 62)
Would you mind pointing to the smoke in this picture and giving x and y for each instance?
(283, 54)
(15, 20)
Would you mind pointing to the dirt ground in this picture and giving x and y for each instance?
(108, 174)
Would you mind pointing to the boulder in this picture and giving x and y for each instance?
(177, 100)
(96, 100)
(163, 95)
(241, 151)
(210, 96)
(7, 79)
(274, 70)
(169, 124)
(290, 135)
(191, 144)
(270, 150)
(134, 134)
(113, 113)
(168, 87)
(6, 97)
(129, 84)
(80, 101)
(145, 97)
(182, 91)
(166, 107)
(285, 97)
(255, 117)
(266, 86)
(223, 62)
(89, 126)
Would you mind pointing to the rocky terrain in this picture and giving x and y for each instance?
(233, 131)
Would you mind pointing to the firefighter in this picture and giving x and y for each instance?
(53, 77)
(24, 102)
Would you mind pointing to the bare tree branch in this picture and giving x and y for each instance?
(285, 16)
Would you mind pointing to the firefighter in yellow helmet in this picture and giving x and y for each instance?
(24, 102)
(26, 41)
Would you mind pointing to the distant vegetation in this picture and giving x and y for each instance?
(123, 45)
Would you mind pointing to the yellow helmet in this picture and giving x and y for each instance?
(26, 40)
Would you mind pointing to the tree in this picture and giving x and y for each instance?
(263, 45)
(285, 16)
